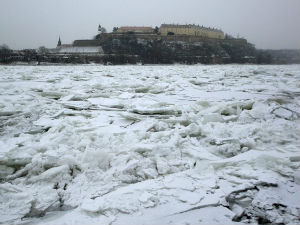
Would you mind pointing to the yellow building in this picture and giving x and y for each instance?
(191, 30)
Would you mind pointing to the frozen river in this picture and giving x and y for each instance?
(175, 144)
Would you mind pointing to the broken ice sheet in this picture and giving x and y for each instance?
(177, 144)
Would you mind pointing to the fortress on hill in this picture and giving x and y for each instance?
(168, 32)
(168, 43)
(176, 29)
(189, 33)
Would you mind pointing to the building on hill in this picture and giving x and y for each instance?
(79, 47)
(138, 30)
(191, 30)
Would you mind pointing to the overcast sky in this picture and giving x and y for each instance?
(271, 24)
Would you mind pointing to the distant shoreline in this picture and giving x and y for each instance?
(174, 64)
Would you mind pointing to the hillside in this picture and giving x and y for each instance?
(176, 49)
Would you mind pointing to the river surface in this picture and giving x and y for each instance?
(201, 144)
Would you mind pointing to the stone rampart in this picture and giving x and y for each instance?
(180, 38)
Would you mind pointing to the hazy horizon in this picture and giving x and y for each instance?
(268, 24)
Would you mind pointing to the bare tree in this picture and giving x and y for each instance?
(43, 50)
(5, 53)
(102, 30)
(115, 29)
(4, 46)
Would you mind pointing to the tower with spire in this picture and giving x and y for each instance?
(59, 42)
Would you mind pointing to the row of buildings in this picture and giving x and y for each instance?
(176, 29)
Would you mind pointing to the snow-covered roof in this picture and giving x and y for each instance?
(80, 49)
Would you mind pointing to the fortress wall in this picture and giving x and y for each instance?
(183, 38)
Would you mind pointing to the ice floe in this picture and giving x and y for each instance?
(175, 144)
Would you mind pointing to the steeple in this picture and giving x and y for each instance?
(59, 42)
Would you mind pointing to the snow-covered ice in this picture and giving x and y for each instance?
(175, 144)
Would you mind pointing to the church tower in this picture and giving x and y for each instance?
(59, 42)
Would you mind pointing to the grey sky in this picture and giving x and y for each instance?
(32, 23)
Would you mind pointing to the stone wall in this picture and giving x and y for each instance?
(180, 38)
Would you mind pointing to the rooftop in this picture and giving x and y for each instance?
(79, 49)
